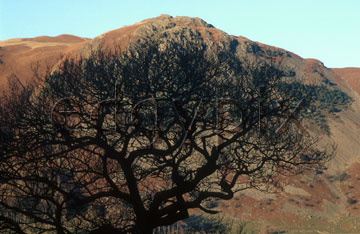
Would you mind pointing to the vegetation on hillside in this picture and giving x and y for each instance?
(319, 101)
(133, 141)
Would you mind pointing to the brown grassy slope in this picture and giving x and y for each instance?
(310, 194)
(351, 75)
(20, 56)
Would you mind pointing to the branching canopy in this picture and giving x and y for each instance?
(135, 139)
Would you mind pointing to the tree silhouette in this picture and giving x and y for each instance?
(133, 140)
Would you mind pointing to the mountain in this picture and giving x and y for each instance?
(318, 197)
(20, 56)
(351, 75)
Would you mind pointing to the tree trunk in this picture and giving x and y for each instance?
(144, 226)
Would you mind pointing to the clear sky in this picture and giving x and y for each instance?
(328, 30)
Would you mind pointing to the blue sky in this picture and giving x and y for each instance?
(328, 30)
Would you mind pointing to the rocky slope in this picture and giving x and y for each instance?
(328, 195)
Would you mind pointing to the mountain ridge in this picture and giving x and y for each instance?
(65, 43)
(18, 55)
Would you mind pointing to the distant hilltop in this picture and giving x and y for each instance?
(324, 195)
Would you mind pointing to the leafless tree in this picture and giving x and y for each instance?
(133, 140)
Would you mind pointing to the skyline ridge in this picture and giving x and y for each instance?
(325, 30)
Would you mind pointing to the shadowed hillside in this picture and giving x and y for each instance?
(334, 114)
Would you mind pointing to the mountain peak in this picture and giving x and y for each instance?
(166, 26)
(180, 20)
(17, 56)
